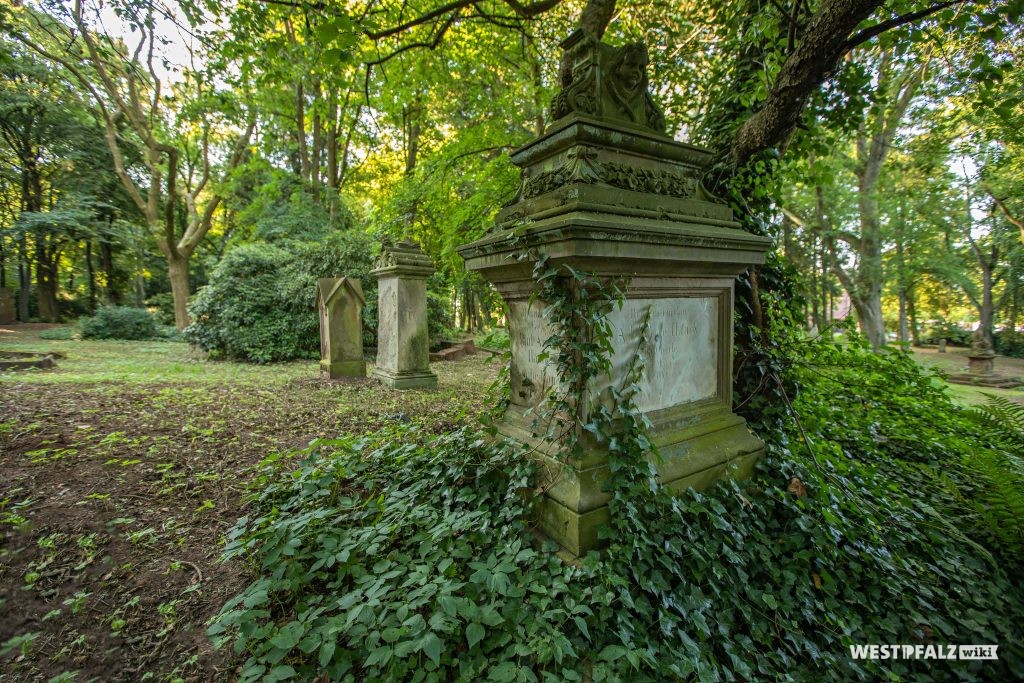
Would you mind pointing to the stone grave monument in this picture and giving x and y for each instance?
(981, 366)
(982, 358)
(339, 302)
(403, 343)
(606, 191)
(8, 308)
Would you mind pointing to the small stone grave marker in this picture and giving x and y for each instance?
(339, 302)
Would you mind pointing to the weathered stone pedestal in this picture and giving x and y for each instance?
(618, 201)
(340, 304)
(981, 372)
(981, 364)
(403, 342)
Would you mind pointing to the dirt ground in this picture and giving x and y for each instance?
(115, 495)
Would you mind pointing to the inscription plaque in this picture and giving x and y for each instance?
(681, 354)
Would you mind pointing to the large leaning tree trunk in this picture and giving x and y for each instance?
(123, 86)
(874, 139)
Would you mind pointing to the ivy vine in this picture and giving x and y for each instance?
(401, 556)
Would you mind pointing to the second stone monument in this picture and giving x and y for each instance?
(403, 340)
(339, 302)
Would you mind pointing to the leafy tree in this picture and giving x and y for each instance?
(121, 82)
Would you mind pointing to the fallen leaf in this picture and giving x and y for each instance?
(797, 488)
(816, 579)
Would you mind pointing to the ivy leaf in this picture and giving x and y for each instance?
(611, 653)
(326, 653)
(431, 645)
(382, 655)
(474, 634)
(582, 624)
(288, 636)
(280, 673)
(503, 672)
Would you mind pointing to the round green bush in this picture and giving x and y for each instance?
(259, 305)
(119, 322)
(951, 332)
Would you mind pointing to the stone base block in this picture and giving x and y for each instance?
(695, 455)
(989, 380)
(981, 365)
(344, 368)
(406, 380)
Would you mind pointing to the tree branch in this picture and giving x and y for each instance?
(803, 72)
(1006, 212)
(897, 21)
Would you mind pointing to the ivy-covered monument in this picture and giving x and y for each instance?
(606, 192)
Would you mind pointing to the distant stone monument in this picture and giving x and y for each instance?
(339, 302)
(605, 191)
(403, 342)
(8, 308)
(981, 369)
(981, 360)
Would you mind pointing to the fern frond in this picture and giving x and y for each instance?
(1003, 416)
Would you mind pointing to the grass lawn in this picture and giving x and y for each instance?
(123, 468)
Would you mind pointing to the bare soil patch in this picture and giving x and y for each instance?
(115, 497)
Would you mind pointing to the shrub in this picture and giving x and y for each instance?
(1009, 343)
(119, 322)
(951, 332)
(440, 321)
(259, 305)
(243, 314)
(496, 339)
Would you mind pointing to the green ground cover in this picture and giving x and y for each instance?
(127, 467)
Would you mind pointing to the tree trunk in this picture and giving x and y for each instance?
(140, 280)
(872, 326)
(915, 334)
(538, 99)
(343, 165)
(110, 295)
(986, 312)
(318, 143)
(332, 154)
(904, 335)
(300, 131)
(412, 135)
(177, 273)
(47, 282)
(91, 273)
(24, 279)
